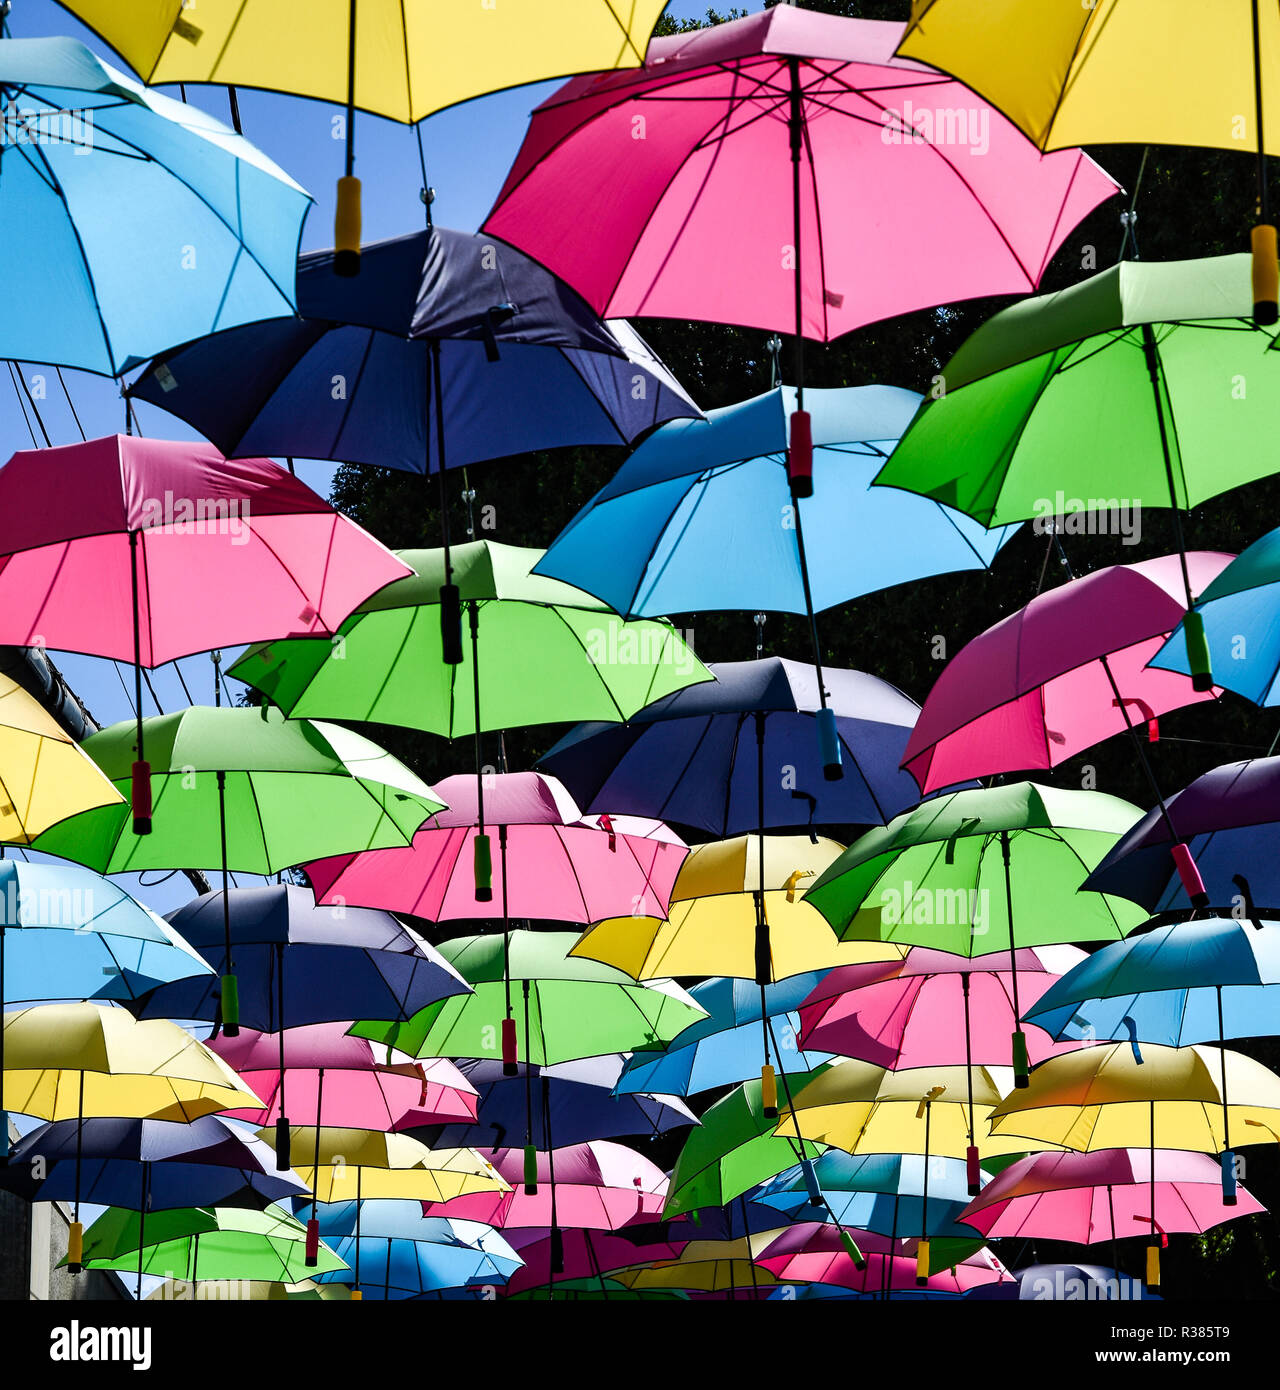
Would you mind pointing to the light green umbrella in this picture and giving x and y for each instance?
(244, 789)
(983, 870)
(1146, 385)
(197, 1243)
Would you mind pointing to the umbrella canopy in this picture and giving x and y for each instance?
(735, 1148)
(565, 1008)
(147, 1165)
(552, 863)
(1183, 982)
(72, 1061)
(301, 963)
(1227, 820)
(724, 1048)
(711, 924)
(146, 222)
(409, 60)
(1063, 673)
(294, 789)
(587, 1256)
(1059, 1282)
(68, 933)
(200, 551)
(695, 757)
(33, 742)
(1237, 611)
(597, 1185)
(1088, 1197)
(394, 1250)
(197, 1243)
(705, 1266)
(326, 1069)
(578, 1104)
(756, 103)
(450, 348)
(936, 877)
(690, 521)
(547, 653)
(865, 1109)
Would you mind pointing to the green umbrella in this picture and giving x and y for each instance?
(1146, 386)
(245, 789)
(196, 1243)
(734, 1149)
(985, 870)
(549, 654)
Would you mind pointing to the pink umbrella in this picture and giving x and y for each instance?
(1060, 675)
(329, 1073)
(182, 551)
(933, 1008)
(553, 862)
(597, 1185)
(814, 1253)
(582, 1254)
(1106, 1195)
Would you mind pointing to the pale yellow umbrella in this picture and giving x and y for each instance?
(708, 1266)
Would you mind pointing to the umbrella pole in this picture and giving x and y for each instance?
(142, 1221)
(1111, 1212)
(971, 1157)
(140, 788)
(230, 988)
(922, 1249)
(75, 1237)
(530, 1148)
(483, 860)
(282, 1123)
(346, 220)
(510, 1057)
(356, 1295)
(556, 1261)
(1153, 1249)
(311, 1251)
(763, 961)
(1266, 270)
(450, 598)
(1021, 1068)
(1227, 1159)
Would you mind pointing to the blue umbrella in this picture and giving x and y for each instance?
(723, 1049)
(395, 1252)
(143, 221)
(1239, 611)
(1065, 1282)
(737, 754)
(68, 933)
(577, 1105)
(700, 517)
(1227, 822)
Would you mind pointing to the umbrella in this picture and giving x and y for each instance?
(1077, 82)
(705, 1266)
(1098, 390)
(146, 222)
(1065, 1282)
(31, 742)
(326, 1066)
(247, 1291)
(1063, 673)
(723, 1048)
(1199, 847)
(1118, 1095)
(587, 1256)
(697, 756)
(1085, 1198)
(944, 875)
(197, 1243)
(186, 551)
(1237, 613)
(404, 1254)
(251, 790)
(690, 521)
(580, 1105)
(402, 61)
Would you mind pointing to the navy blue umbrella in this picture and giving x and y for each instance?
(299, 963)
(1065, 1283)
(697, 757)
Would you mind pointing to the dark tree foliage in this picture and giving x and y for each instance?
(1189, 203)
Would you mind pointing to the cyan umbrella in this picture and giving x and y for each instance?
(143, 222)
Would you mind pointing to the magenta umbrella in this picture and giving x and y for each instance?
(1106, 1195)
(935, 1009)
(181, 550)
(332, 1078)
(786, 171)
(583, 1253)
(1063, 673)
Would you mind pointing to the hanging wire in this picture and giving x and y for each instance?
(35, 444)
(1129, 219)
(71, 404)
(426, 193)
(177, 671)
(31, 400)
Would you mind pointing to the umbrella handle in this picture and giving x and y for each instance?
(1192, 883)
(283, 1139)
(829, 744)
(510, 1048)
(800, 455)
(972, 1170)
(1266, 276)
(1228, 1161)
(1153, 1265)
(140, 796)
(851, 1249)
(768, 1092)
(311, 1250)
(1193, 624)
(75, 1248)
(230, 1006)
(530, 1170)
(450, 625)
(483, 864)
(922, 1261)
(1021, 1062)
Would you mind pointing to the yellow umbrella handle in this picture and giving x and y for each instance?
(1266, 275)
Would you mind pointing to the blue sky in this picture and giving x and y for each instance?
(468, 151)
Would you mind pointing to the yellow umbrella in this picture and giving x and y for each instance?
(708, 1266)
(711, 925)
(1128, 72)
(1122, 1095)
(402, 59)
(44, 775)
